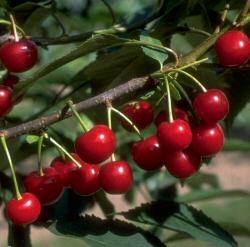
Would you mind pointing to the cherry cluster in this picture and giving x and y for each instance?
(180, 144)
(16, 57)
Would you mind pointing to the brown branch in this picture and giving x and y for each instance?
(41, 123)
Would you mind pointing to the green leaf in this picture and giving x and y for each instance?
(32, 139)
(234, 144)
(159, 56)
(181, 218)
(96, 232)
(201, 194)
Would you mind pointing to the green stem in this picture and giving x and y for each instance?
(13, 24)
(181, 89)
(128, 120)
(193, 64)
(77, 115)
(109, 113)
(63, 150)
(189, 76)
(39, 154)
(4, 22)
(5, 147)
(170, 112)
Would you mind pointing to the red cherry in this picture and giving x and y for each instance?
(182, 164)
(48, 188)
(5, 100)
(233, 48)
(211, 106)
(147, 154)
(10, 80)
(116, 177)
(96, 145)
(175, 135)
(85, 180)
(162, 116)
(140, 113)
(25, 210)
(64, 169)
(18, 56)
(208, 139)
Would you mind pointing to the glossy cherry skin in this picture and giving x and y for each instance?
(85, 180)
(182, 164)
(211, 106)
(175, 135)
(25, 210)
(48, 188)
(116, 177)
(140, 113)
(5, 100)
(10, 80)
(208, 139)
(162, 116)
(233, 48)
(148, 154)
(64, 169)
(18, 56)
(96, 145)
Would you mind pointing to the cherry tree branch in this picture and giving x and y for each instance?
(43, 122)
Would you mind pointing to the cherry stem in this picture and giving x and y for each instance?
(77, 115)
(128, 120)
(181, 89)
(39, 154)
(109, 114)
(62, 149)
(222, 18)
(5, 147)
(170, 112)
(13, 24)
(193, 64)
(189, 76)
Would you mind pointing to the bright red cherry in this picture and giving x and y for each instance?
(140, 113)
(208, 139)
(5, 100)
(64, 169)
(18, 56)
(182, 164)
(48, 188)
(162, 116)
(10, 80)
(233, 48)
(175, 135)
(147, 154)
(96, 145)
(211, 106)
(116, 177)
(25, 210)
(85, 180)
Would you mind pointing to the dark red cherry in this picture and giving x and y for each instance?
(5, 100)
(116, 177)
(147, 154)
(96, 145)
(85, 180)
(140, 113)
(162, 116)
(18, 56)
(233, 48)
(182, 164)
(48, 188)
(208, 139)
(10, 80)
(211, 106)
(175, 135)
(25, 210)
(64, 169)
